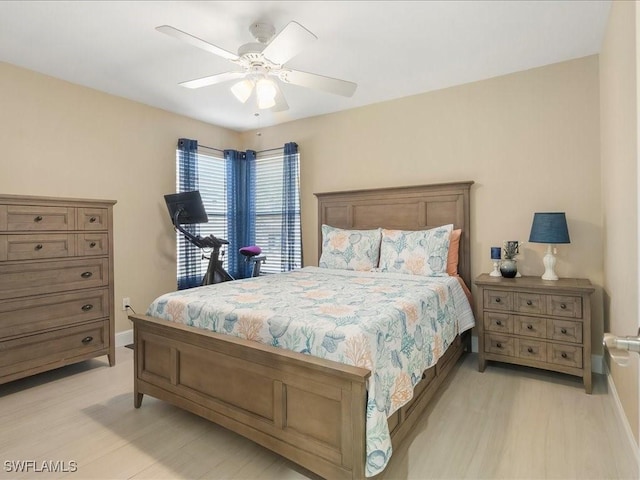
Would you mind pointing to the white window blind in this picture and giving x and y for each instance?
(269, 173)
(213, 190)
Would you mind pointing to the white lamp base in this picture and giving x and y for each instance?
(549, 261)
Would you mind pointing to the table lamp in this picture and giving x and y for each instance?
(550, 228)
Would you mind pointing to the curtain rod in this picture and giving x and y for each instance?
(211, 148)
(258, 151)
(270, 150)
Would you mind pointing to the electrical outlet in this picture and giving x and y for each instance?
(126, 301)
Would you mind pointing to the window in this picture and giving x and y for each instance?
(211, 183)
(278, 235)
(269, 214)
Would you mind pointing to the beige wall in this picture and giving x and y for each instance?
(529, 140)
(619, 123)
(64, 140)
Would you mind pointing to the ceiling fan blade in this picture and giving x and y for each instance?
(196, 42)
(281, 104)
(288, 43)
(212, 79)
(319, 82)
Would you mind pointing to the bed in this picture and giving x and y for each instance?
(315, 411)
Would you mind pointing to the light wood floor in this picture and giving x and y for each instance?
(508, 422)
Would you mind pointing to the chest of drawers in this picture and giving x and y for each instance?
(56, 283)
(537, 323)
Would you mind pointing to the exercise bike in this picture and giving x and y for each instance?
(187, 208)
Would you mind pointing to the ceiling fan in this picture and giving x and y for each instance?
(261, 63)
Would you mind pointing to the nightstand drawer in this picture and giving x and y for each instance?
(564, 306)
(499, 345)
(498, 300)
(530, 303)
(532, 350)
(565, 330)
(498, 322)
(564, 355)
(531, 327)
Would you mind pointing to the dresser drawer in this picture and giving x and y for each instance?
(57, 347)
(564, 306)
(25, 279)
(93, 219)
(529, 302)
(498, 322)
(499, 344)
(93, 244)
(565, 330)
(37, 246)
(530, 327)
(498, 300)
(28, 316)
(34, 218)
(532, 349)
(564, 355)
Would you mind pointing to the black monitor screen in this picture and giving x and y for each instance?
(189, 205)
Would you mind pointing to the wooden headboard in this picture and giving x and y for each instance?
(402, 208)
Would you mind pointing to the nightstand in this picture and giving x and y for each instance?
(534, 322)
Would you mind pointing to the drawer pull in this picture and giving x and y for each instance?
(86, 274)
(92, 219)
(499, 322)
(529, 302)
(88, 339)
(87, 307)
(92, 244)
(530, 350)
(564, 355)
(529, 327)
(563, 330)
(563, 306)
(499, 345)
(39, 246)
(497, 300)
(38, 218)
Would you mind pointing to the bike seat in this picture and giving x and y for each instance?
(251, 251)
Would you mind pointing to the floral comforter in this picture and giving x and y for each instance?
(395, 325)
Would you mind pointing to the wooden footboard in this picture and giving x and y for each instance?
(309, 410)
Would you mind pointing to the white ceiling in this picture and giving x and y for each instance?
(390, 49)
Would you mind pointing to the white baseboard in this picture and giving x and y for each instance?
(124, 338)
(621, 416)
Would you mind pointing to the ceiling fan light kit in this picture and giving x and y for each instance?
(263, 63)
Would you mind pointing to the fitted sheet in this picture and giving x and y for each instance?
(395, 325)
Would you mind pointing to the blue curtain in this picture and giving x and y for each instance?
(241, 208)
(290, 206)
(191, 275)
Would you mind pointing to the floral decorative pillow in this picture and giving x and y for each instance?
(350, 249)
(421, 252)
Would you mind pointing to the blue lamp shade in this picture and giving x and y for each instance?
(549, 227)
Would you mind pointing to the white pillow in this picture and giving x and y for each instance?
(350, 249)
(422, 252)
